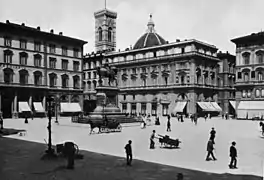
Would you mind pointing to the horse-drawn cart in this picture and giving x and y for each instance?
(166, 141)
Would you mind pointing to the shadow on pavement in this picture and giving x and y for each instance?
(21, 160)
(10, 131)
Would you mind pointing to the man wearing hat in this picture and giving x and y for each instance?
(152, 143)
(233, 155)
(128, 149)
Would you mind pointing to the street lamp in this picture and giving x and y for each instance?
(56, 108)
(50, 151)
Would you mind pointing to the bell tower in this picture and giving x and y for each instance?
(105, 30)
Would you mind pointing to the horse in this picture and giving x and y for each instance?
(108, 72)
(95, 124)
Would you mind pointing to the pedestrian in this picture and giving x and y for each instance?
(210, 149)
(26, 119)
(168, 125)
(181, 117)
(157, 121)
(152, 143)
(1, 122)
(178, 116)
(195, 119)
(212, 135)
(128, 149)
(179, 176)
(205, 117)
(233, 155)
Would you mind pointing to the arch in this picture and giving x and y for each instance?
(37, 56)
(37, 73)
(100, 33)
(63, 98)
(182, 73)
(259, 69)
(8, 75)
(53, 74)
(75, 98)
(182, 96)
(245, 70)
(65, 76)
(259, 52)
(76, 77)
(246, 54)
(23, 54)
(23, 71)
(8, 70)
(109, 34)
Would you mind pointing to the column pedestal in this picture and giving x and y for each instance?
(15, 112)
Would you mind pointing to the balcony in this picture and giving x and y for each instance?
(249, 83)
(11, 84)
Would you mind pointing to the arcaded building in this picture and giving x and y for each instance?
(158, 77)
(35, 64)
(250, 72)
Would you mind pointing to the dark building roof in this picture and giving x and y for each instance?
(12, 28)
(249, 39)
(150, 38)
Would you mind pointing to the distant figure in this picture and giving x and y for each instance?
(1, 122)
(212, 135)
(210, 148)
(128, 149)
(182, 118)
(209, 115)
(195, 119)
(168, 125)
(233, 155)
(223, 115)
(205, 117)
(152, 142)
(180, 176)
(178, 117)
(191, 117)
(226, 115)
(26, 119)
(157, 121)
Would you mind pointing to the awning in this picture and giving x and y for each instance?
(233, 104)
(23, 107)
(70, 107)
(38, 107)
(207, 106)
(179, 107)
(216, 106)
(250, 109)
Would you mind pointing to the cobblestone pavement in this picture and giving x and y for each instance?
(21, 159)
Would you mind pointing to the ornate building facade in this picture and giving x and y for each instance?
(33, 64)
(250, 76)
(159, 78)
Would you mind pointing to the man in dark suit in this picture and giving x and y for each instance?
(128, 149)
(210, 148)
(233, 155)
(212, 135)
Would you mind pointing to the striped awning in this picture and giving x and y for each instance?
(179, 107)
(70, 107)
(38, 107)
(23, 106)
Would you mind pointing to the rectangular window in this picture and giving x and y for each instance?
(143, 70)
(76, 65)
(89, 75)
(52, 63)
(52, 48)
(154, 68)
(37, 61)
(165, 108)
(37, 46)
(124, 97)
(64, 64)
(239, 75)
(23, 60)
(252, 74)
(143, 108)
(23, 44)
(8, 58)
(75, 53)
(94, 74)
(133, 109)
(182, 50)
(64, 51)
(124, 108)
(134, 97)
(8, 42)
(134, 71)
(154, 109)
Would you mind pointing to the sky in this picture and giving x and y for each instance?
(212, 21)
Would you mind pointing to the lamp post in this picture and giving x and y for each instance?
(50, 151)
(56, 108)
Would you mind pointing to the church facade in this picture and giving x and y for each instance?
(160, 78)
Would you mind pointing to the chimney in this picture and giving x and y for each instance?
(38, 28)
(23, 24)
(7, 22)
(177, 40)
(60, 33)
(51, 31)
(227, 52)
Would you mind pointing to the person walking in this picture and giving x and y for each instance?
(152, 142)
(212, 135)
(210, 148)
(168, 125)
(1, 122)
(205, 117)
(233, 155)
(128, 149)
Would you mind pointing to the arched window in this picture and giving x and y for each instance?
(76, 82)
(64, 81)
(100, 32)
(260, 76)
(257, 93)
(95, 83)
(246, 57)
(246, 78)
(37, 78)
(8, 75)
(23, 58)
(262, 92)
(259, 55)
(8, 56)
(89, 85)
(64, 98)
(109, 34)
(23, 76)
(75, 98)
(53, 79)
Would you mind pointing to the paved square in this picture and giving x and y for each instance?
(192, 152)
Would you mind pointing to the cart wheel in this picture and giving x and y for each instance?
(77, 149)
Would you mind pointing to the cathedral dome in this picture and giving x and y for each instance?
(150, 38)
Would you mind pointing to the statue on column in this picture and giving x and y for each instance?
(109, 72)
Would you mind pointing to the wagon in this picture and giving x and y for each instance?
(166, 141)
(111, 126)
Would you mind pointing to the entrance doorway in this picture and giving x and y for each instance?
(7, 106)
